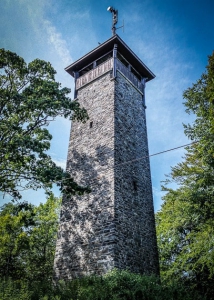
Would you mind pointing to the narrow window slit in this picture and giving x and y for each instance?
(135, 185)
(91, 124)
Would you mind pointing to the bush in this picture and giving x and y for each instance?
(116, 285)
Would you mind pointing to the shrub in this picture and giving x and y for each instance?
(115, 285)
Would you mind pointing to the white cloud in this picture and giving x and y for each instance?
(59, 44)
(60, 32)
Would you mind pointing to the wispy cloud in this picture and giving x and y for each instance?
(63, 31)
(59, 44)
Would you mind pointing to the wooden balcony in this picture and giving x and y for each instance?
(106, 67)
(94, 73)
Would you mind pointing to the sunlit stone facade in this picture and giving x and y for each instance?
(113, 226)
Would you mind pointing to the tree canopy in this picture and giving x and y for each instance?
(30, 99)
(185, 223)
(27, 239)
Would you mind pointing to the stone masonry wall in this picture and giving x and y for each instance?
(136, 247)
(86, 234)
(113, 226)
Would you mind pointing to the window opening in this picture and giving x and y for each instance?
(136, 74)
(126, 63)
(122, 59)
(86, 69)
(91, 124)
(94, 64)
(103, 59)
(135, 185)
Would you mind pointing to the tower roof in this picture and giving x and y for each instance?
(106, 47)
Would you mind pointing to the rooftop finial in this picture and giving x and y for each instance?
(114, 18)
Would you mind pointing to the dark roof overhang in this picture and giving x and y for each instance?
(106, 47)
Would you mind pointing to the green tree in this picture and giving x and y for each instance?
(15, 226)
(185, 223)
(30, 99)
(28, 239)
(42, 240)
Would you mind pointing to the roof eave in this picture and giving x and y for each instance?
(104, 47)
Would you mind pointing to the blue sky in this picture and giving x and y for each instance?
(172, 37)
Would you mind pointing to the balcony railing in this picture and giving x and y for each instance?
(93, 74)
(104, 68)
(136, 82)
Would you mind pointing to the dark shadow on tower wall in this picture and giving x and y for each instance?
(85, 242)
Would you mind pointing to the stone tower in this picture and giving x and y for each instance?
(113, 226)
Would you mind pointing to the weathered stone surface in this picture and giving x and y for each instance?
(114, 225)
(134, 213)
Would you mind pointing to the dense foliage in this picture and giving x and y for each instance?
(116, 285)
(185, 223)
(27, 245)
(30, 99)
(28, 239)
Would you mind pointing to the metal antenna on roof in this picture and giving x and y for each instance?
(114, 18)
